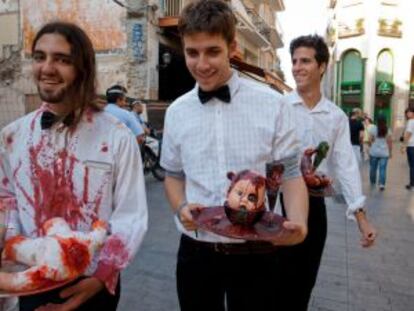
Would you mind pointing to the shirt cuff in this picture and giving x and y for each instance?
(178, 175)
(354, 206)
(291, 167)
(109, 275)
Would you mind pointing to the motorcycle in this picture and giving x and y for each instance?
(151, 154)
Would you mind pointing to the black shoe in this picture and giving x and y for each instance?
(408, 187)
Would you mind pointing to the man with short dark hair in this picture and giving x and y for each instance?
(69, 159)
(317, 120)
(117, 106)
(226, 123)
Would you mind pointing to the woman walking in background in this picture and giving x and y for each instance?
(368, 124)
(379, 152)
(409, 144)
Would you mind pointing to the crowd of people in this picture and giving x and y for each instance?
(75, 159)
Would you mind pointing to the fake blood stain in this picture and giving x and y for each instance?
(75, 255)
(53, 188)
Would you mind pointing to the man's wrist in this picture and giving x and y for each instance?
(180, 208)
(360, 210)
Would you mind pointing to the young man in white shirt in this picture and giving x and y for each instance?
(226, 123)
(69, 159)
(317, 120)
(409, 144)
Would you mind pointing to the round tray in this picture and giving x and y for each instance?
(9, 267)
(214, 219)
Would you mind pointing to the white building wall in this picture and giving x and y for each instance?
(371, 44)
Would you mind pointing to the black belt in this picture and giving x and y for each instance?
(246, 248)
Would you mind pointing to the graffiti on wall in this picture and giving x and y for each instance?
(102, 20)
(138, 42)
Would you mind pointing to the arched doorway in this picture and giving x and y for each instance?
(352, 81)
(384, 86)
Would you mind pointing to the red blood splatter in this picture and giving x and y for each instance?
(32, 124)
(38, 279)
(85, 185)
(9, 252)
(9, 139)
(53, 189)
(115, 250)
(89, 115)
(5, 181)
(75, 256)
(104, 147)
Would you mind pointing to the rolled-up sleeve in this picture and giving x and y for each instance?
(8, 204)
(286, 144)
(170, 153)
(346, 169)
(129, 219)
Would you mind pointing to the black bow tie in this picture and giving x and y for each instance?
(49, 118)
(222, 93)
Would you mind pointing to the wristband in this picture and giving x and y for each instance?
(179, 209)
(360, 210)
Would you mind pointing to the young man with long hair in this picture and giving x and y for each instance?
(69, 159)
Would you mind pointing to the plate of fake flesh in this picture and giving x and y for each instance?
(11, 270)
(214, 219)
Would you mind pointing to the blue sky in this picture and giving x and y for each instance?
(300, 17)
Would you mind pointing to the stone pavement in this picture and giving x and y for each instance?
(350, 279)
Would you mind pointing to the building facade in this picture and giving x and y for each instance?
(372, 44)
(135, 46)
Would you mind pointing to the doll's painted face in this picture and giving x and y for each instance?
(247, 191)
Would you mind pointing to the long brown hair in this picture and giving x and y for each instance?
(83, 91)
(382, 127)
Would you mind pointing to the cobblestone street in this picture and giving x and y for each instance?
(351, 278)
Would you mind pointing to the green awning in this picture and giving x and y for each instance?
(351, 87)
(384, 88)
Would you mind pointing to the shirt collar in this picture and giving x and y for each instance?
(322, 106)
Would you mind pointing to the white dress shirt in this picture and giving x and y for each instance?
(327, 122)
(91, 172)
(205, 141)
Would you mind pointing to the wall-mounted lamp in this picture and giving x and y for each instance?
(166, 58)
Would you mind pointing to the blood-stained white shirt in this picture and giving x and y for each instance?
(206, 141)
(91, 172)
(327, 122)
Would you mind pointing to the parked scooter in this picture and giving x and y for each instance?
(151, 153)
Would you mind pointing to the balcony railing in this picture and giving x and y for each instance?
(389, 28)
(174, 7)
(268, 31)
(346, 30)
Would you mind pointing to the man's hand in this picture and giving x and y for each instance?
(76, 294)
(295, 234)
(368, 231)
(184, 215)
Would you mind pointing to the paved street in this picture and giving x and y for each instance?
(350, 278)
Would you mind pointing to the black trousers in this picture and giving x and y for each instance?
(300, 263)
(209, 281)
(103, 300)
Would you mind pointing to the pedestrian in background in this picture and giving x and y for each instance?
(118, 107)
(210, 131)
(408, 144)
(357, 132)
(379, 152)
(368, 124)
